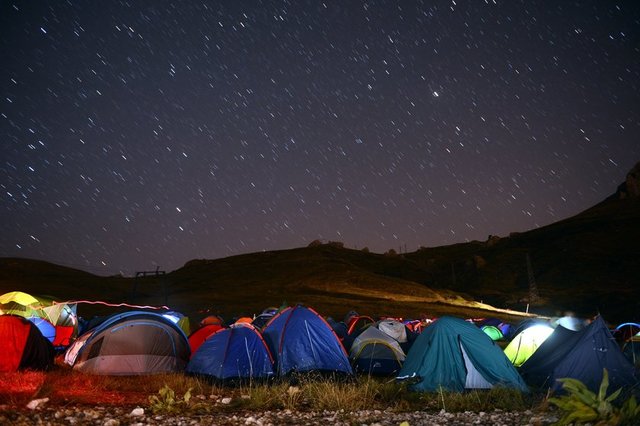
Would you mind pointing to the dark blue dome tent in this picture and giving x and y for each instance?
(301, 341)
(234, 354)
(580, 355)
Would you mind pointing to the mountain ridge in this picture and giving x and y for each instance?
(587, 264)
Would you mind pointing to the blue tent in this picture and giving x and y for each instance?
(580, 355)
(300, 340)
(454, 355)
(47, 329)
(231, 354)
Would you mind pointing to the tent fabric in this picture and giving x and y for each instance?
(197, 338)
(23, 346)
(393, 328)
(582, 355)
(454, 354)
(235, 353)
(301, 341)
(493, 332)
(526, 343)
(45, 308)
(375, 352)
(134, 343)
(47, 329)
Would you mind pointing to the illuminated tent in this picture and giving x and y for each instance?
(377, 352)
(132, 343)
(23, 346)
(301, 341)
(60, 315)
(580, 355)
(455, 355)
(236, 353)
(526, 343)
(493, 332)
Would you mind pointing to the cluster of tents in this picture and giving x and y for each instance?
(446, 353)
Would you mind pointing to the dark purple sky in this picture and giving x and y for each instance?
(147, 133)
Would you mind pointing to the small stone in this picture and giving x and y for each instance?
(137, 412)
(111, 422)
(226, 400)
(35, 403)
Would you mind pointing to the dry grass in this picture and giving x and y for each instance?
(66, 387)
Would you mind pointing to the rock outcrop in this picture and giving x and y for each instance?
(631, 187)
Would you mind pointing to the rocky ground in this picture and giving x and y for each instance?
(118, 416)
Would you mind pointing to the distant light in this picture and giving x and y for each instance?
(436, 94)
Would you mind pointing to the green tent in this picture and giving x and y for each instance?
(526, 342)
(493, 332)
(455, 355)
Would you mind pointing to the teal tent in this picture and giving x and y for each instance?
(455, 355)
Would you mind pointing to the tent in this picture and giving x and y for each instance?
(526, 343)
(235, 353)
(374, 351)
(492, 331)
(631, 350)
(131, 343)
(300, 340)
(197, 338)
(62, 316)
(504, 328)
(454, 354)
(581, 355)
(23, 346)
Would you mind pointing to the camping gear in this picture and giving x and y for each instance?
(197, 338)
(580, 355)
(23, 346)
(455, 355)
(376, 350)
(233, 354)
(132, 343)
(62, 316)
(301, 341)
(526, 343)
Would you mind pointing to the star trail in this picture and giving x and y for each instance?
(143, 134)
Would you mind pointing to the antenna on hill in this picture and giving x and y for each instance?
(149, 274)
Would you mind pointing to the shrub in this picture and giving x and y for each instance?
(580, 405)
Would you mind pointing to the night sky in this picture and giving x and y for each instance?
(143, 134)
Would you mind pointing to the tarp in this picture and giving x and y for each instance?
(454, 354)
(300, 340)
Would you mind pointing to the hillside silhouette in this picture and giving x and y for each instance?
(586, 264)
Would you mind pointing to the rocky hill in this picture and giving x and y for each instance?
(587, 264)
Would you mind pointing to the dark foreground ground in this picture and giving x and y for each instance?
(116, 416)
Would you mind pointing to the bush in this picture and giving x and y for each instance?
(581, 405)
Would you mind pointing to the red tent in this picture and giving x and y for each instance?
(23, 346)
(198, 337)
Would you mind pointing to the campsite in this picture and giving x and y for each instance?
(326, 333)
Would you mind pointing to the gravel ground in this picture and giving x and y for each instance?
(118, 416)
